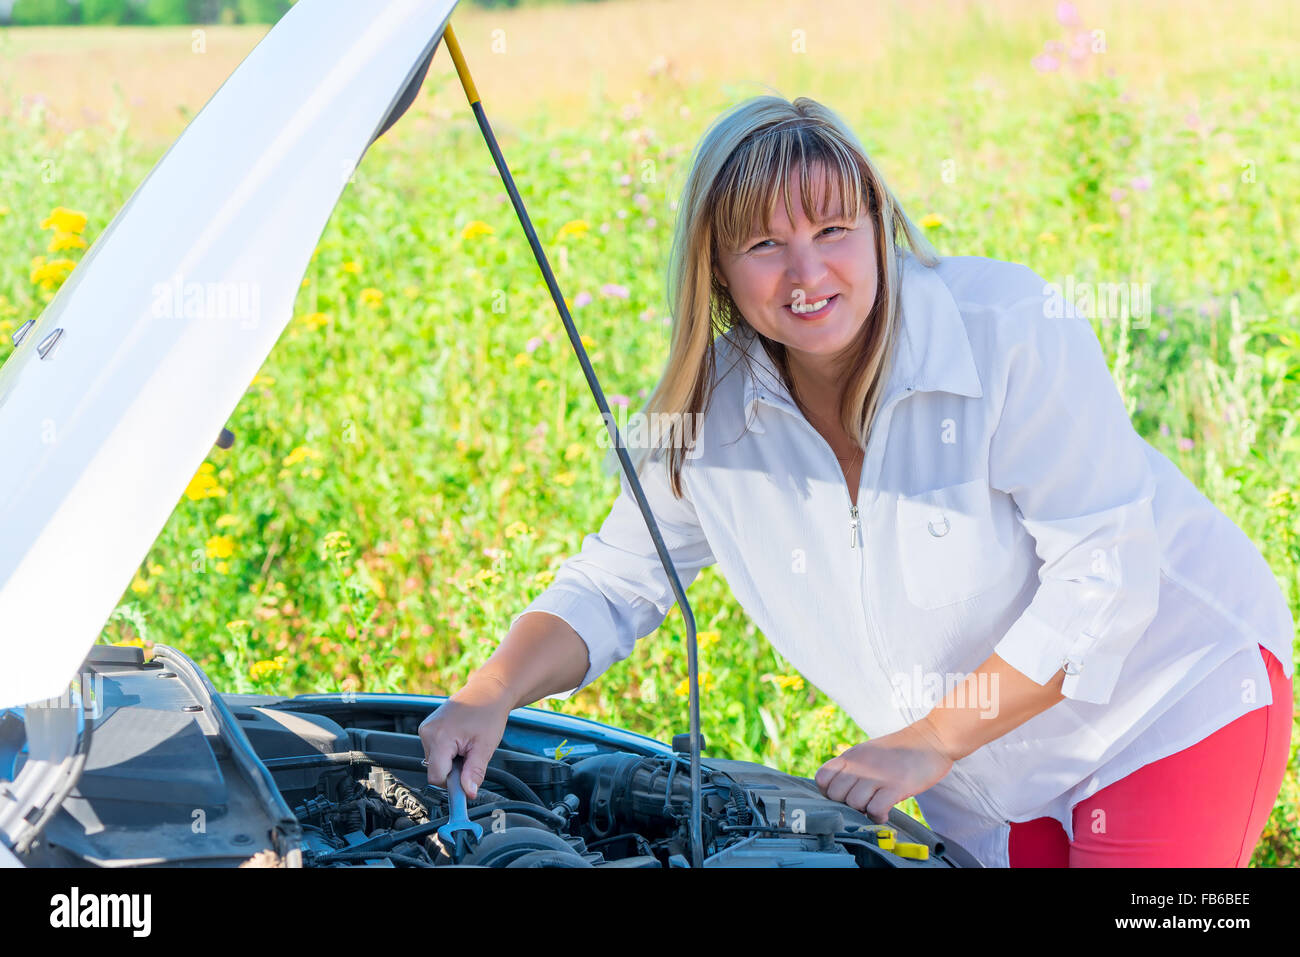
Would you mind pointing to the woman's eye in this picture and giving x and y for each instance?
(759, 245)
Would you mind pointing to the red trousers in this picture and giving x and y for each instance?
(1204, 806)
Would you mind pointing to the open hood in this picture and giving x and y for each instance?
(118, 391)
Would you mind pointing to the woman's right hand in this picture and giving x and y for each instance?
(471, 722)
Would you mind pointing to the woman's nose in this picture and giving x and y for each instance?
(805, 266)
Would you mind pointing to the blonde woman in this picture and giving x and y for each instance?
(920, 482)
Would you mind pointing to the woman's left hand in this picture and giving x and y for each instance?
(875, 775)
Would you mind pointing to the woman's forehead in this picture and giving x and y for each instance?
(825, 198)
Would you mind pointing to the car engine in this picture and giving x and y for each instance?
(177, 774)
(362, 798)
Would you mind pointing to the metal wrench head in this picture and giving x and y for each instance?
(459, 829)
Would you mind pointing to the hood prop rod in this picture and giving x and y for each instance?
(462, 70)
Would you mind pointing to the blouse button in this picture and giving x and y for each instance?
(1071, 666)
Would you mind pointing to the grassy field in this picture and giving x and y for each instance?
(413, 463)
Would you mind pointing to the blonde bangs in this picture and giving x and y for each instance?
(745, 194)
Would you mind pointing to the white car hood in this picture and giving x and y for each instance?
(99, 439)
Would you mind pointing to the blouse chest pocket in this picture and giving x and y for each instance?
(949, 549)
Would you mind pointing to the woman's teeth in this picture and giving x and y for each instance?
(810, 308)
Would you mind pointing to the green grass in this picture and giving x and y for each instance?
(446, 477)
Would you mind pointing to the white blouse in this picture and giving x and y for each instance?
(1006, 504)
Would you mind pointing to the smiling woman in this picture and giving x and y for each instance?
(741, 258)
(1004, 522)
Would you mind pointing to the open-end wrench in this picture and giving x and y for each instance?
(459, 834)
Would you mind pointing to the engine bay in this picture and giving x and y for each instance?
(179, 775)
(362, 797)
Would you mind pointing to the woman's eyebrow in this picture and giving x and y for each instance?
(822, 220)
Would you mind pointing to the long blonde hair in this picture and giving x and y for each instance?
(745, 156)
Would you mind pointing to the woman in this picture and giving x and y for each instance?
(919, 480)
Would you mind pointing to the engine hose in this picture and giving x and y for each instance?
(549, 859)
(385, 841)
(401, 761)
(668, 791)
(743, 813)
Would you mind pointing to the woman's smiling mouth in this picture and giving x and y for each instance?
(826, 305)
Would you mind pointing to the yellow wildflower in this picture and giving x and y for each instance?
(522, 359)
(785, 682)
(475, 228)
(411, 292)
(5, 210)
(130, 642)
(566, 478)
(516, 528)
(204, 484)
(225, 521)
(587, 341)
(518, 467)
(684, 688)
(64, 220)
(62, 241)
(706, 638)
(370, 296)
(544, 577)
(931, 221)
(1046, 237)
(575, 450)
(52, 272)
(139, 585)
(352, 266)
(220, 546)
(221, 567)
(1104, 228)
(314, 320)
(574, 227)
(299, 454)
(155, 569)
(266, 667)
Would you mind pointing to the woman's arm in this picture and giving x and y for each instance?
(968, 718)
(541, 655)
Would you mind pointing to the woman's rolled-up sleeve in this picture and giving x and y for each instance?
(1066, 451)
(615, 590)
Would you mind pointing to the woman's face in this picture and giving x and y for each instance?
(774, 277)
